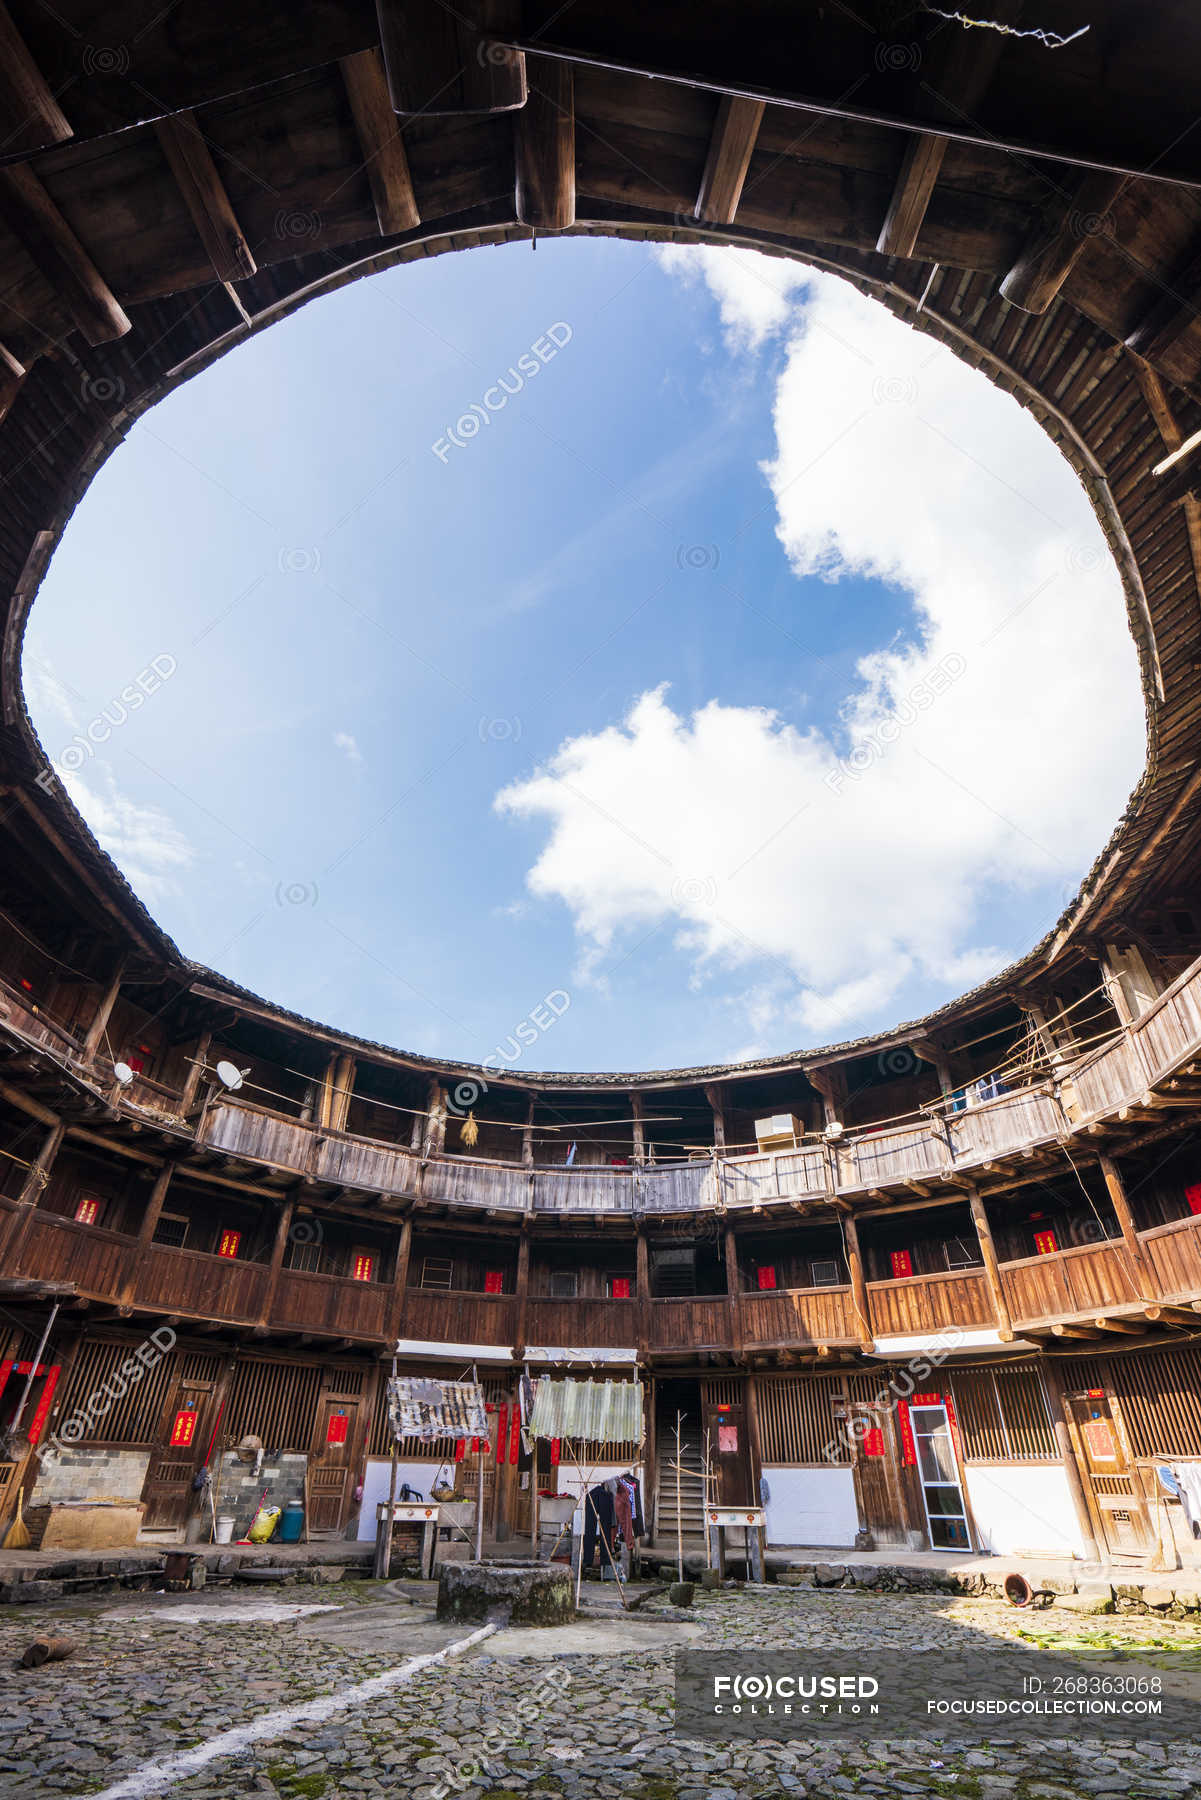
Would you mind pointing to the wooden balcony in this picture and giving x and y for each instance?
(1086, 1279)
(207, 1287)
(1174, 1252)
(331, 1304)
(612, 1324)
(915, 1305)
(445, 1316)
(805, 1316)
(60, 1250)
(692, 1324)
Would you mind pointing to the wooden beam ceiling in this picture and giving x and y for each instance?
(731, 147)
(51, 244)
(30, 116)
(1073, 219)
(203, 191)
(441, 59)
(379, 133)
(544, 137)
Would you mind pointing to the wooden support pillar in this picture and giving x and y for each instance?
(336, 1092)
(863, 1317)
(731, 147)
(527, 1136)
(30, 117)
(104, 1011)
(992, 1272)
(279, 1244)
(1071, 222)
(146, 1229)
(1144, 1275)
(195, 1075)
(1053, 1382)
(32, 1189)
(544, 134)
(380, 140)
(733, 1288)
(441, 59)
(435, 1130)
(754, 1440)
(639, 1133)
(49, 241)
(642, 1289)
(716, 1096)
(203, 192)
(522, 1287)
(400, 1281)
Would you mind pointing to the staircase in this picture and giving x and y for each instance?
(692, 1483)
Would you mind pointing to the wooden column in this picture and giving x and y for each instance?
(104, 1011)
(754, 1441)
(733, 1288)
(863, 1317)
(1053, 1382)
(283, 1229)
(150, 1218)
(639, 1133)
(642, 1289)
(992, 1273)
(400, 1281)
(195, 1075)
(522, 1290)
(1144, 1275)
(527, 1136)
(717, 1100)
(435, 1131)
(544, 133)
(28, 1200)
(336, 1092)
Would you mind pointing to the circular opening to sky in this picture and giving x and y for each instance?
(671, 632)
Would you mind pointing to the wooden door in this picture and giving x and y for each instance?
(874, 1464)
(184, 1433)
(729, 1455)
(333, 1459)
(1104, 1456)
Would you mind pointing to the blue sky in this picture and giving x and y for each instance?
(710, 683)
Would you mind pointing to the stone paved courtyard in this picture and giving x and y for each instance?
(155, 1674)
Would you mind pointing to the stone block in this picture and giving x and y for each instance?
(1158, 1596)
(1092, 1597)
(321, 1574)
(525, 1594)
(828, 1574)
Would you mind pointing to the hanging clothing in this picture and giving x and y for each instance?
(1188, 1477)
(599, 1522)
(628, 1504)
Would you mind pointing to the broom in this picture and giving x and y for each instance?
(18, 1532)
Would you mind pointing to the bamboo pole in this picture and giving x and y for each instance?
(679, 1496)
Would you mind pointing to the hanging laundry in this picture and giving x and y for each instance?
(426, 1410)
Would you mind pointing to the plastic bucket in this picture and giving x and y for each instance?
(291, 1523)
(225, 1529)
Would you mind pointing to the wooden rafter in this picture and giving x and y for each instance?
(731, 147)
(204, 195)
(544, 136)
(1176, 306)
(12, 374)
(1069, 225)
(54, 248)
(1160, 408)
(442, 59)
(30, 116)
(379, 134)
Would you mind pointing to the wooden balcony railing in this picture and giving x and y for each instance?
(914, 1305)
(611, 1323)
(692, 1324)
(331, 1303)
(444, 1316)
(60, 1250)
(1086, 1278)
(211, 1287)
(1174, 1252)
(798, 1316)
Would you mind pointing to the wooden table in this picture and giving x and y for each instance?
(752, 1520)
(412, 1512)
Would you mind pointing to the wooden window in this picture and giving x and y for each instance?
(902, 1264)
(494, 1282)
(437, 1272)
(1045, 1243)
(825, 1273)
(362, 1266)
(766, 1273)
(564, 1284)
(228, 1244)
(305, 1257)
(87, 1211)
(171, 1230)
(959, 1253)
(618, 1287)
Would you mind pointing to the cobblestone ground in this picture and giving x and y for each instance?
(140, 1689)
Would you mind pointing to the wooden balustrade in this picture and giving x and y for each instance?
(438, 1315)
(692, 1324)
(603, 1324)
(589, 1189)
(798, 1316)
(331, 1303)
(1012, 1121)
(1169, 1032)
(798, 1174)
(914, 1305)
(210, 1287)
(903, 1153)
(1108, 1079)
(60, 1250)
(1085, 1279)
(1174, 1252)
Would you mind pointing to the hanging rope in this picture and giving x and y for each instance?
(1052, 40)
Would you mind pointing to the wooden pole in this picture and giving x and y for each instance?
(679, 1497)
(858, 1284)
(992, 1272)
(1143, 1276)
(383, 1532)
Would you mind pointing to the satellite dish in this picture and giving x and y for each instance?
(123, 1072)
(834, 1129)
(229, 1076)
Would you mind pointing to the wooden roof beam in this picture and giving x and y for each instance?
(731, 147)
(51, 244)
(1065, 230)
(1175, 307)
(544, 133)
(203, 191)
(384, 157)
(441, 59)
(30, 117)
(12, 374)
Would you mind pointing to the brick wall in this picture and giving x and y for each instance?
(95, 1475)
(282, 1474)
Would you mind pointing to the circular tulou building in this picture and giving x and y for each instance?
(938, 1288)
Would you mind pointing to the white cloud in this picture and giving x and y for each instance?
(145, 843)
(755, 293)
(345, 742)
(987, 754)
